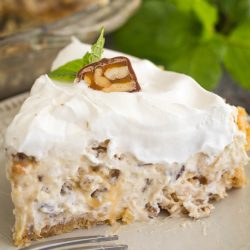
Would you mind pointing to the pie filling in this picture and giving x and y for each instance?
(54, 195)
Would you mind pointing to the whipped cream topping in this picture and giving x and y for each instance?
(169, 120)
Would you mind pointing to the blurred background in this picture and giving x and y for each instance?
(206, 39)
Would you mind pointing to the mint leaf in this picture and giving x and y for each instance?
(165, 33)
(68, 71)
(172, 37)
(191, 36)
(186, 5)
(86, 59)
(97, 48)
(208, 16)
(237, 57)
(234, 11)
(202, 62)
(206, 13)
(96, 51)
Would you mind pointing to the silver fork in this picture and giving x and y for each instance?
(76, 243)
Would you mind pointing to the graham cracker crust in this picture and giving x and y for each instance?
(239, 178)
(244, 125)
(73, 224)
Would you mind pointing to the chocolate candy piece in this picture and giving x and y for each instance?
(110, 75)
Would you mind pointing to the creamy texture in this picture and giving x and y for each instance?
(169, 120)
(65, 191)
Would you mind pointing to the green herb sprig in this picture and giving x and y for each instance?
(196, 37)
(68, 71)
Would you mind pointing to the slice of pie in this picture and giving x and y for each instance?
(122, 142)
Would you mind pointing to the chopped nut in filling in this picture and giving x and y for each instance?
(110, 75)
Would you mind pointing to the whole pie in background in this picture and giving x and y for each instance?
(17, 15)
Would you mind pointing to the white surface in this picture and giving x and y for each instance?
(171, 119)
(228, 228)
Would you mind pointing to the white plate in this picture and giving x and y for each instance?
(228, 228)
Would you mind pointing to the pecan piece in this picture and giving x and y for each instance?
(180, 172)
(46, 208)
(110, 75)
(152, 210)
(148, 182)
(66, 188)
(23, 158)
(101, 148)
(40, 178)
(114, 175)
(98, 193)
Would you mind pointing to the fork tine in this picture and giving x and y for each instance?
(46, 245)
(104, 247)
